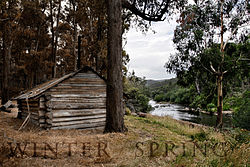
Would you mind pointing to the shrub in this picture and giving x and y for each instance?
(241, 116)
(211, 107)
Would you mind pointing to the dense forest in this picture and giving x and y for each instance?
(39, 40)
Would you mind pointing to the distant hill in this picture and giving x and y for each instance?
(159, 83)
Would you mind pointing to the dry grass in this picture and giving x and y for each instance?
(121, 148)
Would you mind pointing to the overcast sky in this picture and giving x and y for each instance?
(149, 53)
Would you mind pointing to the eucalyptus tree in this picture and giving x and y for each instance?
(202, 26)
(150, 10)
(9, 15)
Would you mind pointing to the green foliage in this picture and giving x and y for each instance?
(169, 91)
(211, 107)
(198, 49)
(136, 91)
(160, 97)
(241, 116)
(201, 136)
(199, 101)
(127, 111)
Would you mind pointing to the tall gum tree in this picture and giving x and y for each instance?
(204, 25)
(147, 10)
(9, 18)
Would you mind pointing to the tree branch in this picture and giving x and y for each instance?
(213, 68)
(4, 19)
(240, 16)
(143, 15)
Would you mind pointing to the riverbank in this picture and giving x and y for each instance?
(195, 111)
(144, 144)
(183, 113)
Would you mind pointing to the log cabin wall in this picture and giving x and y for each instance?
(77, 102)
(33, 109)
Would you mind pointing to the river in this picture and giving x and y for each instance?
(180, 113)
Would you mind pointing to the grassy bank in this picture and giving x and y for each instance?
(151, 141)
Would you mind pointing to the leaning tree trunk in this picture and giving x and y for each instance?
(115, 108)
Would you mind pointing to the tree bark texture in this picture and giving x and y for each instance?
(7, 45)
(219, 121)
(74, 34)
(52, 39)
(56, 39)
(115, 106)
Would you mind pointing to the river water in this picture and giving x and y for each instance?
(180, 113)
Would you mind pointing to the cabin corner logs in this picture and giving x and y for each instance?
(77, 100)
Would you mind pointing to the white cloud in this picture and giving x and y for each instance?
(149, 53)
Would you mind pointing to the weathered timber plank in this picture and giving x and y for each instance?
(89, 121)
(42, 99)
(79, 92)
(80, 126)
(48, 121)
(85, 79)
(42, 125)
(48, 115)
(41, 104)
(54, 105)
(42, 121)
(75, 103)
(79, 112)
(32, 113)
(80, 96)
(31, 109)
(31, 105)
(34, 117)
(76, 87)
(30, 100)
(79, 100)
(79, 84)
(41, 113)
(85, 75)
(55, 120)
(84, 82)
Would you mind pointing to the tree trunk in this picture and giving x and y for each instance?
(56, 40)
(74, 34)
(52, 39)
(79, 52)
(115, 108)
(197, 86)
(7, 45)
(219, 121)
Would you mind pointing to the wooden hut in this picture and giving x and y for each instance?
(76, 100)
